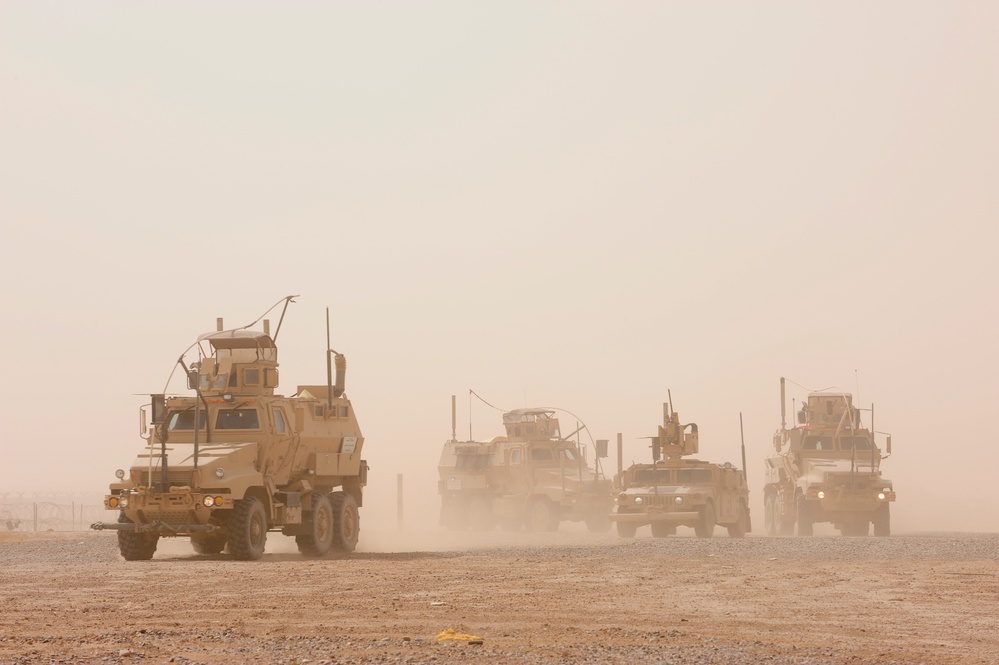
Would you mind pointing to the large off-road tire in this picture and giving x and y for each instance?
(882, 521)
(541, 516)
(770, 515)
(738, 528)
(598, 524)
(247, 530)
(856, 528)
(135, 546)
(318, 538)
(346, 522)
(480, 514)
(662, 529)
(208, 543)
(509, 523)
(627, 529)
(705, 527)
(454, 513)
(804, 512)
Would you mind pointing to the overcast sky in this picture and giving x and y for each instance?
(580, 205)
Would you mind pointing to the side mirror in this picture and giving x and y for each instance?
(158, 408)
(657, 448)
(192, 379)
(888, 445)
(601, 448)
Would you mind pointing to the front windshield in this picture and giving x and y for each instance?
(237, 419)
(646, 477)
(829, 443)
(569, 455)
(181, 420)
(694, 476)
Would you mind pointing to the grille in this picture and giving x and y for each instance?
(180, 478)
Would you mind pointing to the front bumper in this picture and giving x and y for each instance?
(651, 516)
(177, 512)
(154, 527)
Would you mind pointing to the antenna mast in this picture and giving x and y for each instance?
(329, 363)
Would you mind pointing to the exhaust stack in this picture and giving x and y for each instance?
(783, 415)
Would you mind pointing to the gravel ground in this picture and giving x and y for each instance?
(568, 597)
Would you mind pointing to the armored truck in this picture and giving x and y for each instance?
(233, 460)
(675, 490)
(532, 477)
(827, 469)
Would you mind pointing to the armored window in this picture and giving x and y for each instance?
(251, 376)
(343, 411)
(472, 461)
(645, 477)
(181, 420)
(818, 443)
(319, 411)
(541, 454)
(237, 419)
(694, 476)
(279, 426)
(569, 455)
(851, 442)
(515, 456)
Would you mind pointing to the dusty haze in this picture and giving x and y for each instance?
(578, 206)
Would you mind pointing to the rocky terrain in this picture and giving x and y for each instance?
(567, 597)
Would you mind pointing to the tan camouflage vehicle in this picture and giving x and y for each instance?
(827, 469)
(678, 491)
(233, 461)
(531, 477)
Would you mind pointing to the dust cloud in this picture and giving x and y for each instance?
(552, 206)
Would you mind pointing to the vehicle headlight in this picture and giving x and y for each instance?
(678, 500)
(821, 494)
(119, 474)
(219, 472)
(123, 501)
(113, 501)
(208, 501)
(639, 501)
(881, 495)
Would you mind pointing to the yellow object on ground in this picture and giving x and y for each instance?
(450, 634)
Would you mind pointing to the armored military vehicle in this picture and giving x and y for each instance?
(827, 469)
(532, 476)
(233, 461)
(675, 490)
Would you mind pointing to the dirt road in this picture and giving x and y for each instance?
(568, 597)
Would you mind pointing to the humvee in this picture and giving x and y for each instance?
(827, 469)
(532, 477)
(233, 461)
(678, 491)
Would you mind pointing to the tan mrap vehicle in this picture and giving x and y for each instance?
(827, 469)
(677, 491)
(531, 477)
(256, 461)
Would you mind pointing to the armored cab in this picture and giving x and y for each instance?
(531, 477)
(233, 460)
(827, 468)
(675, 490)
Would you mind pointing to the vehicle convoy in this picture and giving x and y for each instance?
(675, 490)
(233, 461)
(532, 477)
(827, 469)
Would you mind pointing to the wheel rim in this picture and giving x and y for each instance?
(350, 524)
(256, 530)
(323, 524)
